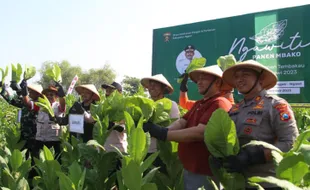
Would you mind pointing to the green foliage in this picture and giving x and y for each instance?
(54, 73)
(292, 168)
(196, 63)
(224, 62)
(30, 71)
(4, 73)
(45, 105)
(131, 85)
(302, 116)
(16, 72)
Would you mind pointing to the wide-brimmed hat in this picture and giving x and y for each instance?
(158, 78)
(269, 78)
(114, 85)
(89, 87)
(214, 70)
(35, 87)
(50, 89)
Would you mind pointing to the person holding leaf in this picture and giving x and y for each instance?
(189, 130)
(197, 63)
(89, 95)
(48, 131)
(259, 116)
(158, 86)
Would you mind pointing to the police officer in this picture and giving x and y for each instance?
(259, 116)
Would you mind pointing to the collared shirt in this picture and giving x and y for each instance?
(265, 118)
(194, 155)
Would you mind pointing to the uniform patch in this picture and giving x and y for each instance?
(235, 108)
(255, 112)
(248, 130)
(258, 107)
(251, 120)
(285, 116)
(258, 98)
(281, 107)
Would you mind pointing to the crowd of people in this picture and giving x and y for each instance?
(259, 116)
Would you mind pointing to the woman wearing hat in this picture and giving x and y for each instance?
(158, 86)
(48, 131)
(189, 130)
(89, 95)
(258, 116)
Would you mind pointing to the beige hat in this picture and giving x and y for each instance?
(210, 70)
(89, 87)
(269, 78)
(159, 78)
(35, 87)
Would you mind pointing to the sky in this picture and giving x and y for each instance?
(91, 33)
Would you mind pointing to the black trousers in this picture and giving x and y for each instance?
(49, 144)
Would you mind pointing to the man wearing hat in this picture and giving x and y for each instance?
(110, 88)
(48, 131)
(158, 86)
(27, 117)
(258, 116)
(189, 130)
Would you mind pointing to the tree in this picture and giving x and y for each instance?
(67, 73)
(98, 76)
(130, 85)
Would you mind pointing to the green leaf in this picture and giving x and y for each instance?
(120, 181)
(264, 144)
(45, 105)
(22, 184)
(65, 182)
(16, 72)
(130, 124)
(149, 161)
(75, 173)
(137, 142)
(286, 185)
(292, 168)
(95, 144)
(47, 154)
(149, 186)
(30, 71)
(196, 63)
(257, 186)
(302, 138)
(220, 135)
(132, 175)
(16, 160)
(277, 157)
(24, 169)
(81, 181)
(149, 176)
(305, 150)
(4, 73)
(224, 62)
(54, 73)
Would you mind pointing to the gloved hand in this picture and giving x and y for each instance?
(60, 90)
(183, 86)
(60, 120)
(111, 124)
(24, 86)
(77, 108)
(156, 131)
(15, 86)
(249, 155)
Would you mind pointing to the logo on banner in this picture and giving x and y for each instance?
(167, 36)
(266, 40)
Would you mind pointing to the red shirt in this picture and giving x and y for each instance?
(195, 155)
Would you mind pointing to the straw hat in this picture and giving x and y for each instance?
(35, 87)
(210, 70)
(269, 78)
(49, 89)
(89, 87)
(158, 78)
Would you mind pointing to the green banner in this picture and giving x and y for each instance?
(278, 39)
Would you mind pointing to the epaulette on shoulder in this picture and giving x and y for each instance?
(271, 96)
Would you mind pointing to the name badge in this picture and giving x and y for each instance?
(76, 123)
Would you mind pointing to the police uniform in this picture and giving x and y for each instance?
(267, 118)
